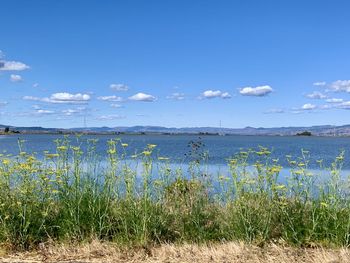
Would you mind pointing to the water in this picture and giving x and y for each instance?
(220, 148)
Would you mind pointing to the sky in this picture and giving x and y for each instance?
(174, 63)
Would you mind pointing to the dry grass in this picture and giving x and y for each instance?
(227, 252)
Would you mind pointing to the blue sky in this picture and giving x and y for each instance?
(174, 63)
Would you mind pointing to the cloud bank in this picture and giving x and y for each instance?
(62, 98)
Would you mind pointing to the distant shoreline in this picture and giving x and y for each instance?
(168, 134)
(321, 130)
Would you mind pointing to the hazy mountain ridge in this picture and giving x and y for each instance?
(320, 130)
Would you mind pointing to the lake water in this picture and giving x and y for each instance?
(219, 148)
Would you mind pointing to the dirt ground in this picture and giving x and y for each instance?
(226, 252)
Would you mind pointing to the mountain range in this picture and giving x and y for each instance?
(322, 130)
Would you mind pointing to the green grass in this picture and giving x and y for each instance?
(70, 197)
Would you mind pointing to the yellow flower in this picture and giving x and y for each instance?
(125, 144)
(112, 151)
(151, 146)
(233, 161)
(299, 172)
(324, 204)
(75, 148)
(222, 178)
(275, 169)
(163, 158)
(51, 155)
(44, 214)
(6, 161)
(280, 187)
(158, 182)
(146, 153)
(62, 148)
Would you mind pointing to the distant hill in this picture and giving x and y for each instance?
(323, 130)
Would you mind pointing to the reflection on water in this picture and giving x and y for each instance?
(219, 148)
(214, 172)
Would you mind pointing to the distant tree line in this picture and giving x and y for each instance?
(7, 130)
(304, 133)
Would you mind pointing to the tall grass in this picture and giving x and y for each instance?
(73, 195)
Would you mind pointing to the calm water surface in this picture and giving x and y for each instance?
(220, 148)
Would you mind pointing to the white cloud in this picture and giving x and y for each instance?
(119, 87)
(32, 98)
(336, 104)
(65, 96)
(316, 95)
(35, 85)
(41, 111)
(15, 78)
(308, 106)
(3, 103)
(176, 96)
(36, 113)
(275, 110)
(340, 85)
(319, 83)
(326, 107)
(62, 98)
(211, 94)
(110, 98)
(70, 112)
(334, 100)
(344, 105)
(76, 111)
(109, 117)
(259, 91)
(226, 95)
(142, 97)
(12, 66)
(36, 107)
(115, 105)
